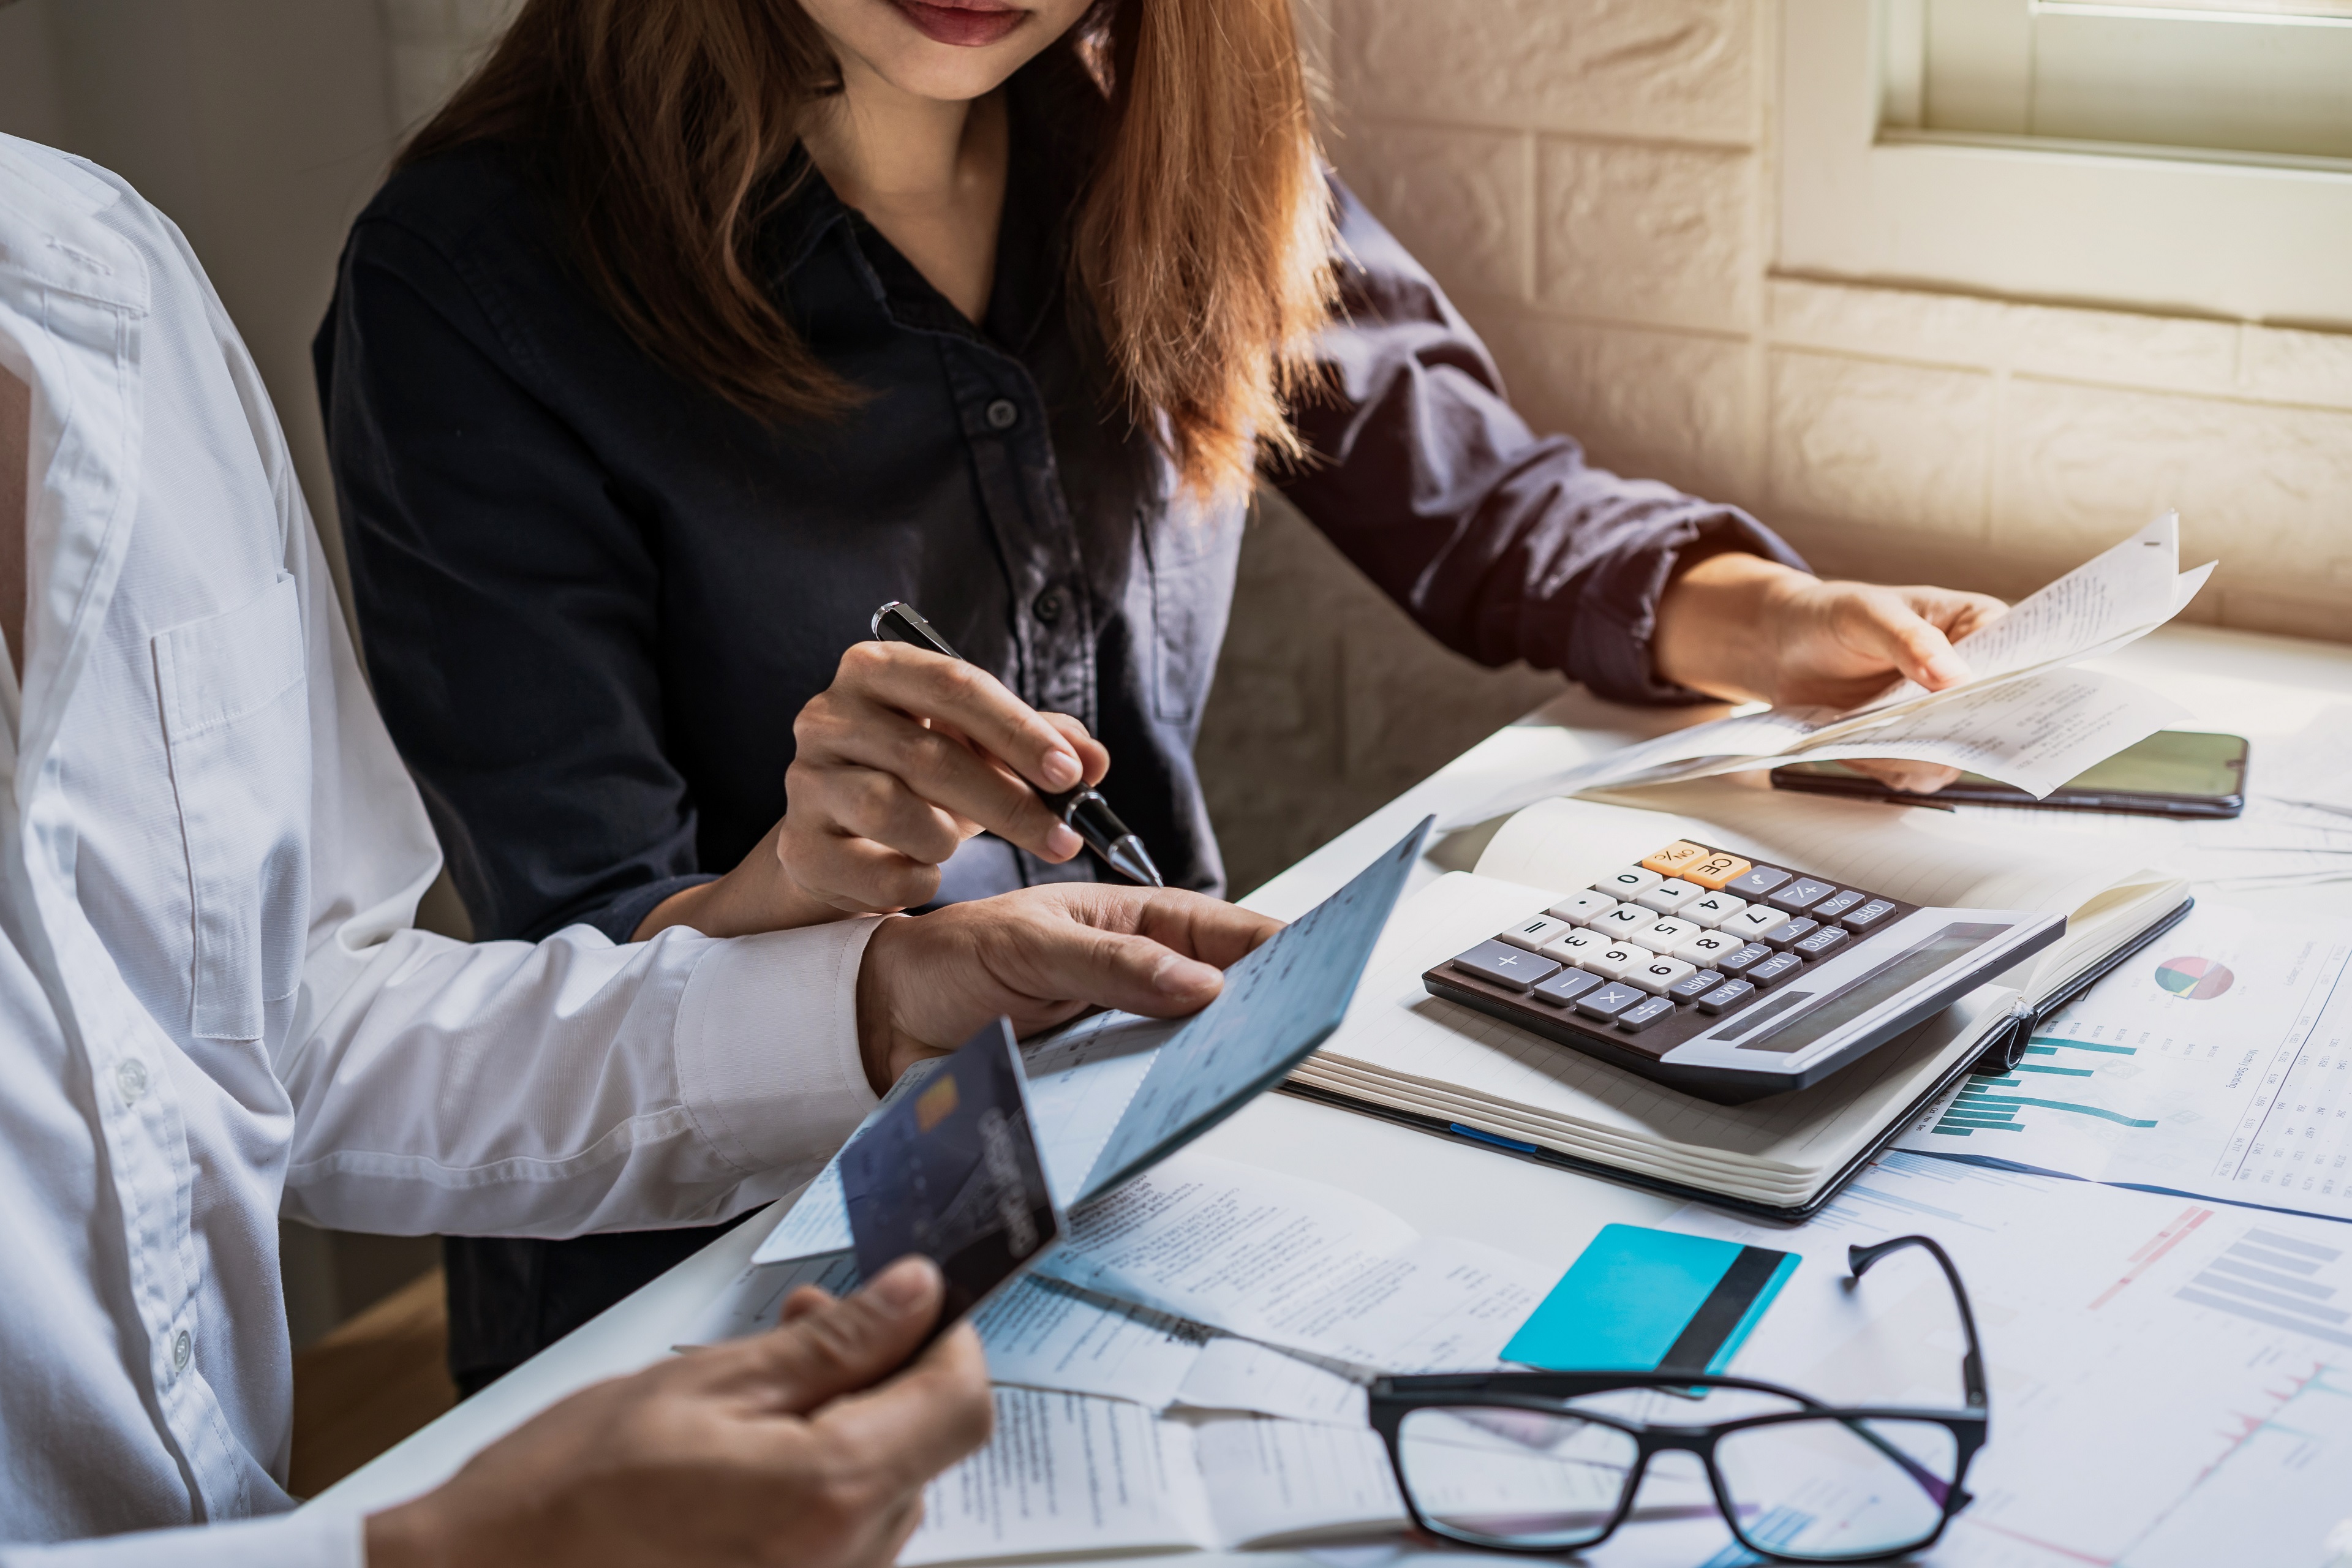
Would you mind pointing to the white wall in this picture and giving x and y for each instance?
(1592, 180)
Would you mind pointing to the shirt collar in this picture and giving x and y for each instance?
(1032, 241)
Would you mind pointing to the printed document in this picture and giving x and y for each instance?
(1044, 1335)
(1066, 1473)
(2171, 1381)
(1299, 1265)
(2023, 717)
(2216, 1062)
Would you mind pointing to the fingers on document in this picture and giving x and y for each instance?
(1888, 624)
(1190, 923)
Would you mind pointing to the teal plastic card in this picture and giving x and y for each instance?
(1638, 1298)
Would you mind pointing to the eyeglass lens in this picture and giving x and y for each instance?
(1518, 1477)
(1829, 1488)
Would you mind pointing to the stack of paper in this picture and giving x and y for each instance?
(2025, 717)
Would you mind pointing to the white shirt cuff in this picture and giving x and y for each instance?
(767, 1063)
(314, 1538)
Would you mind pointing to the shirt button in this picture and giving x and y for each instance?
(131, 1079)
(181, 1346)
(1049, 605)
(1004, 414)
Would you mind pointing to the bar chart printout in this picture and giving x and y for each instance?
(2216, 1063)
(2171, 1379)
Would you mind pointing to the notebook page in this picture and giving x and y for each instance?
(1397, 1029)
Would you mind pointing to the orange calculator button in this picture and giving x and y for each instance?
(1714, 871)
(1670, 861)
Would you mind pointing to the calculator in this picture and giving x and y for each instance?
(1728, 979)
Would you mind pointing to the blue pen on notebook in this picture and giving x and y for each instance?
(1087, 814)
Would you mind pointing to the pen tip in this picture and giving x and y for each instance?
(1130, 860)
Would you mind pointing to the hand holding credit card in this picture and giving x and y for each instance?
(1118, 1093)
(953, 1172)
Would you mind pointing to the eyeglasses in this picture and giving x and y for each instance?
(1549, 1461)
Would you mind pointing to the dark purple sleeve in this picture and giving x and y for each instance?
(1503, 544)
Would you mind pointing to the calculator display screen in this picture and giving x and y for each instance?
(1889, 980)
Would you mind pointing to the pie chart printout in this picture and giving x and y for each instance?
(2194, 979)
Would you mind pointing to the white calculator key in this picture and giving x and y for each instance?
(1703, 949)
(1573, 947)
(1666, 935)
(1713, 909)
(1669, 896)
(1657, 974)
(1621, 920)
(1611, 961)
(1534, 931)
(1577, 909)
(1632, 882)
(1753, 921)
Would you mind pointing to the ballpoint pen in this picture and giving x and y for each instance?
(1085, 811)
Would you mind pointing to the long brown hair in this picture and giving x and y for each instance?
(1201, 237)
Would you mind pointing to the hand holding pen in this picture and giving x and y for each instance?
(910, 752)
(1081, 806)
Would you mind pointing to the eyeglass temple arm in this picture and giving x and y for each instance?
(1972, 1374)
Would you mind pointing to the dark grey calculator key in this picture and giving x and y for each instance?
(1789, 933)
(1610, 1000)
(1500, 964)
(1868, 916)
(1754, 883)
(1774, 970)
(1725, 996)
(1635, 1019)
(1800, 895)
(1738, 963)
(1822, 942)
(1695, 986)
(1565, 987)
(1836, 904)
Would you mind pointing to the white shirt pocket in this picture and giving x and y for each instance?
(236, 720)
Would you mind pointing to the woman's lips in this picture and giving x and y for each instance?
(969, 26)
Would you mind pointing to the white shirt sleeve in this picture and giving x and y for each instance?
(311, 1539)
(546, 1089)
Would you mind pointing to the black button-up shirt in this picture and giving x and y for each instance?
(593, 596)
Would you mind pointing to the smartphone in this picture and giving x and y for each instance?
(2173, 773)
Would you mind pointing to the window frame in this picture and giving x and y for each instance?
(2233, 236)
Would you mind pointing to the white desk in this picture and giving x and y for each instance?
(2255, 685)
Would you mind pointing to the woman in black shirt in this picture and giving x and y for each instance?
(694, 330)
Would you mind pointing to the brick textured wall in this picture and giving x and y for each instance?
(1592, 180)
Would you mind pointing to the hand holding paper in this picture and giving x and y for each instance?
(2023, 717)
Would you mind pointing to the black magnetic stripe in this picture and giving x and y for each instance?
(1721, 1311)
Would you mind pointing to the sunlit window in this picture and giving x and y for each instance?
(2266, 80)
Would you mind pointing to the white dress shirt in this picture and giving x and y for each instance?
(212, 1009)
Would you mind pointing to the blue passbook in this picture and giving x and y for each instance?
(1638, 1298)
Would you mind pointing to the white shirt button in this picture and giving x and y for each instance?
(181, 1347)
(131, 1079)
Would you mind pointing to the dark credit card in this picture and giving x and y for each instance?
(953, 1173)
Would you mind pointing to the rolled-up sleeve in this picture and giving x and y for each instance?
(1503, 544)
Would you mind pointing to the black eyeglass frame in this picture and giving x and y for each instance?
(1391, 1399)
